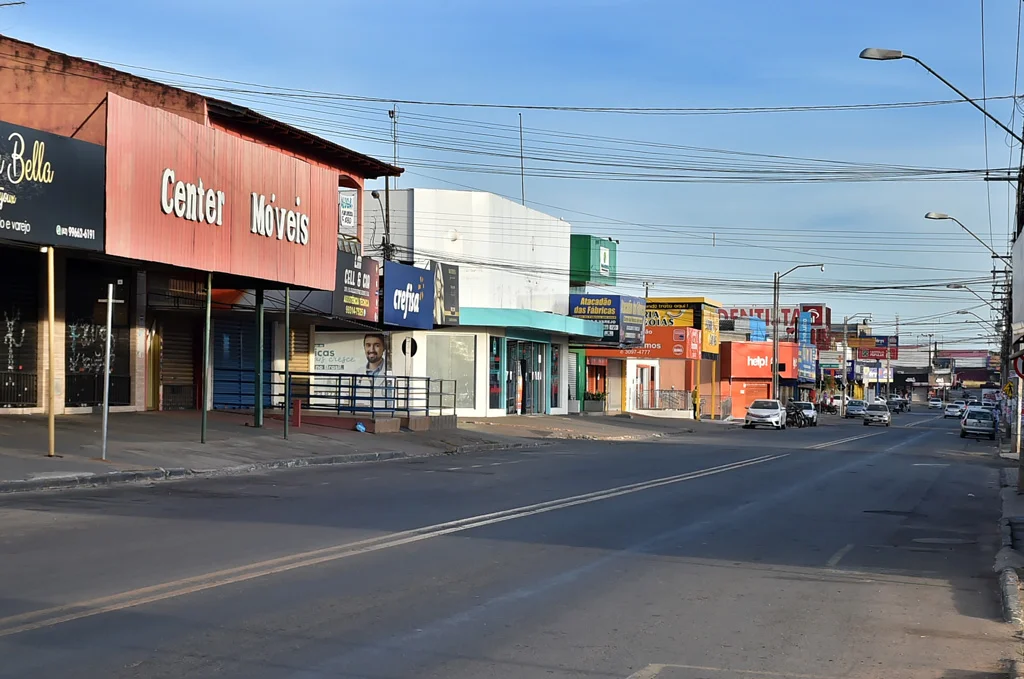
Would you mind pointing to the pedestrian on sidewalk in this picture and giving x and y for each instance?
(695, 402)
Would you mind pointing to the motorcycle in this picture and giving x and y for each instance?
(830, 408)
(795, 416)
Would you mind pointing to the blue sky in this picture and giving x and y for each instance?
(679, 53)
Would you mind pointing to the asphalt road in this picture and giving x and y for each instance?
(837, 551)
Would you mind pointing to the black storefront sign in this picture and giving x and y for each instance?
(446, 293)
(355, 294)
(51, 189)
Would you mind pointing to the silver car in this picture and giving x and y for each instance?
(978, 422)
(877, 413)
(856, 408)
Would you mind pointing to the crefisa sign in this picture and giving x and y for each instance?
(408, 296)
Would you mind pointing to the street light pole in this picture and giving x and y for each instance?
(958, 286)
(775, 336)
(877, 54)
(943, 215)
(775, 322)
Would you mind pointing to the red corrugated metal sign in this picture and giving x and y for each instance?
(184, 194)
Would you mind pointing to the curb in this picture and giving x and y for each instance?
(90, 480)
(487, 447)
(1015, 669)
(1009, 589)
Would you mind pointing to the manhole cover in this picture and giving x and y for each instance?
(943, 541)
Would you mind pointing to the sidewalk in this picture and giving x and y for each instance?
(154, 446)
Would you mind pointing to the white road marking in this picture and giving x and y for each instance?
(914, 424)
(475, 466)
(56, 615)
(930, 464)
(829, 444)
(838, 556)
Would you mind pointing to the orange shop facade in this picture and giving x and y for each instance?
(747, 371)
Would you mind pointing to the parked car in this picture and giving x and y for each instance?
(765, 412)
(897, 404)
(809, 412)
(955, 409)
(934, 404)
(877, 413)
(855, 408)
(978, 422)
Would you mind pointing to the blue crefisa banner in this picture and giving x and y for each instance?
(408, 296)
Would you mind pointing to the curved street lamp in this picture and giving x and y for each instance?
(943, 215)
(775, 323)
(960, 286)
(879, 54)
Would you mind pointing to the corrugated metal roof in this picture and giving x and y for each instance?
(263, 127)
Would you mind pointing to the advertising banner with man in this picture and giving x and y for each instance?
(349, 369)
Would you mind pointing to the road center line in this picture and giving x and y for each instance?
(56, 615)
(930, 419)
(829, 444)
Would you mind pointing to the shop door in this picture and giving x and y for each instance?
(646, 386)
(513, 378)
(19, 305)
(178, 372)
(751, 392)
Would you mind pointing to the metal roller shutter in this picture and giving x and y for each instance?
(234, 345)
(299, 362)
(177, 365)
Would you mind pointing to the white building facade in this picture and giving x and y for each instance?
(509, 354)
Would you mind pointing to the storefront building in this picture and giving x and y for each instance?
(701, 374)
(747, 371)
(602, 364)
(508, 349)
(195, 195)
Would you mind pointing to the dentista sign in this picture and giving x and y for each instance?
(189, 195)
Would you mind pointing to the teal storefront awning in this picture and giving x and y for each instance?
(527, 319)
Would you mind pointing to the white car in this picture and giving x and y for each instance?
(765, 413)
(955, 409)
(809, 411)
(934, 403)
(877, 413)
(855, 408)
